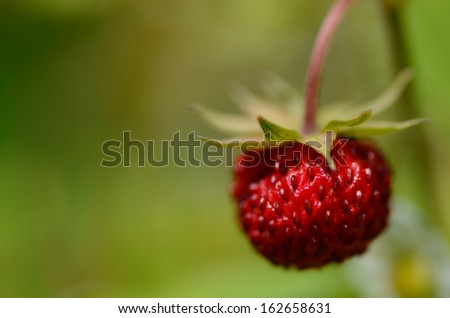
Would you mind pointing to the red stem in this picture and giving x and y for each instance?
(327, 31)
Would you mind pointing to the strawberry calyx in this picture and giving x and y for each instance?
(253, 128)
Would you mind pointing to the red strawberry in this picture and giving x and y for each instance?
(298, 212)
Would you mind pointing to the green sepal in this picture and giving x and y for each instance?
(377, 105)
(279, 90)
(228, 123)
(377, 128)
(242, 143)
(338, 124)
(276, 133)
(283, 106)
(325, 141)
(390, 96)
(282, 92)
(254, 106)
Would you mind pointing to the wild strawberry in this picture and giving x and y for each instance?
(299, 213)
(302, 204)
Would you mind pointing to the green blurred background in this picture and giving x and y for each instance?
(74, 73)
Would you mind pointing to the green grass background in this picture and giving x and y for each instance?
(76, 73)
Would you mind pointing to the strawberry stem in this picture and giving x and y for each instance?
(326, 33)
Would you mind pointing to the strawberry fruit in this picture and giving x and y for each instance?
(299, 213)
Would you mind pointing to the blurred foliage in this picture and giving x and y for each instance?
(75, 73)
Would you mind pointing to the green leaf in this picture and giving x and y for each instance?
(228, 123)
(380, 128)
(338, 124)
(273, 132)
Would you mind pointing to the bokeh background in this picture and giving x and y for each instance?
(74, 73)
